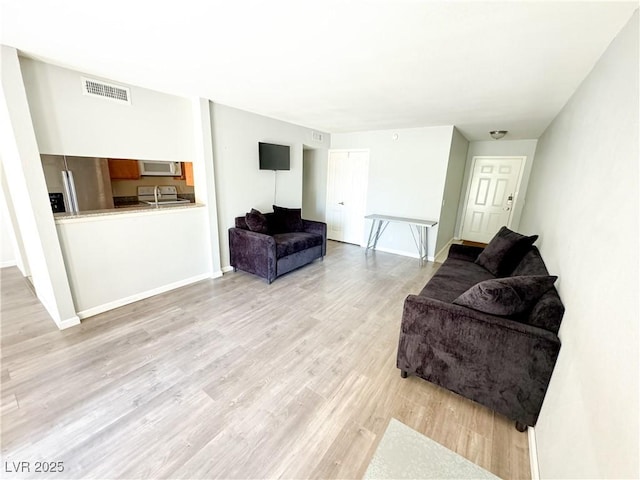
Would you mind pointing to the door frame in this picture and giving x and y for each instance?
(516, 199)
(366, 184)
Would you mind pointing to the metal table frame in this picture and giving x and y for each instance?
(420, 236)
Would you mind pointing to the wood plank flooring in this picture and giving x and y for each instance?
(233, 378)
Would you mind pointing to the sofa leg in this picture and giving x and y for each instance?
(235, 269)
(521, 427)
(403, 373)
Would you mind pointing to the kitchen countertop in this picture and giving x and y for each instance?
(64, 216)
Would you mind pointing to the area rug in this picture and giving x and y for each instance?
(405, 453)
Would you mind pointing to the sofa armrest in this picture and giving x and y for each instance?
(311, 226)
(501, 363)
(464, 252)
(253, 252)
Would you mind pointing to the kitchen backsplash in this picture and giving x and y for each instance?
(128, 188)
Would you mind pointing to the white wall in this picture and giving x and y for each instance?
(240, 184)
(452, 189)
(406, 178)
(7, 237)
(499, 148)
(113, 260)
(583, 202)
(156, 126)
(10, 217)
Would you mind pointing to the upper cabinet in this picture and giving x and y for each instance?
(123, 169)
(187, 171)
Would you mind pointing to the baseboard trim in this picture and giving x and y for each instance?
(533, 454)
(90, 312)
(68, 323)
(227, 269)
(401, 252)
(8, 263)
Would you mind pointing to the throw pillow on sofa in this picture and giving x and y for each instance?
(288, 219)
(256, 221)
(504, 252)
(506, 296)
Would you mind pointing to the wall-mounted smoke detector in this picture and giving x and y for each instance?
(316, 136)
(98, 88)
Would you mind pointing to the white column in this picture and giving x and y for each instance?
(27, 191)
(204, 176)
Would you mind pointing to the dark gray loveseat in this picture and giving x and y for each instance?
(276, 252)
(504, 363)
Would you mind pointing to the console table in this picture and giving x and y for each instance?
(379, 224)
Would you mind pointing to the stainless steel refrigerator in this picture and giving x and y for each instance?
(82, 182)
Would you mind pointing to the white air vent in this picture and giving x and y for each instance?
(98, 88)
(316, 136)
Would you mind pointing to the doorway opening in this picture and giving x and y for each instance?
(314, 181)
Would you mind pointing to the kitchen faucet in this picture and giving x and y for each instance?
(156, 193)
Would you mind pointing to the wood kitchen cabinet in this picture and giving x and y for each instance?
(123, 169)
(187, 171)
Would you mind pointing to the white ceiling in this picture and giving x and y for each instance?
(332, 65)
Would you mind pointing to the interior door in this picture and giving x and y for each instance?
(492, 195)
(346, 195)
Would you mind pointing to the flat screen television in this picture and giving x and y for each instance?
(273, 157)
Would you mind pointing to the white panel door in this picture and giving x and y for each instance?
(492, 194)
(347, 177)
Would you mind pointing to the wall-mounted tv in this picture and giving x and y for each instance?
(274, 157)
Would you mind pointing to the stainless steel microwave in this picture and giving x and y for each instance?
(160, 169)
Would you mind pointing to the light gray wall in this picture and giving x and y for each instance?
(583, 202)
(156, 126)
(499, 148)
(406, 178)
(117, 259)
(452, 188)
(314, 184)
(240, 184)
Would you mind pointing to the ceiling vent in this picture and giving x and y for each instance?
(98, 88)
(316, 136)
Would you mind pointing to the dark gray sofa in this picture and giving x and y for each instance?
(504, 363)
(272, 255)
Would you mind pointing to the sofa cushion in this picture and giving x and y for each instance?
(256, 221)
(292, 242)
(288, 219)
(453, 278)
(548, 311)
(504, 252)
(506, 296)
(241, 222)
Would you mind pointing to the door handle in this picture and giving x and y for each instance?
(340, 203)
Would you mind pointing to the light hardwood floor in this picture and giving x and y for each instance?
(234, 378)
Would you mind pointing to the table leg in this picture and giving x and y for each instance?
(373, 223)
(426, 244)
(421, 241)
(378, 233)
